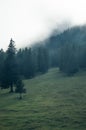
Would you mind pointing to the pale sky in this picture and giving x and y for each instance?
(27, 21)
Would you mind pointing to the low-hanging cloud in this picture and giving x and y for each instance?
(27, 21)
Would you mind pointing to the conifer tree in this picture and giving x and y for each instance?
(2, 58)
(10, 72)
(20, 88)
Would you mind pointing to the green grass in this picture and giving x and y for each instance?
(53, 102)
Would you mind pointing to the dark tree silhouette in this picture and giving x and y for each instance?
(2, 58)
(20, 88)
(10, 72)
(43, 59)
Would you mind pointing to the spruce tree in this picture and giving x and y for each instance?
(2, 58)
(43, 60)
(20, 88)
(28, 64)
(10, 72)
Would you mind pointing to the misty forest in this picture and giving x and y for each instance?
(43, 87)
(67, 51)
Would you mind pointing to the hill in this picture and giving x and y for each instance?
(68, 43)
(53, 102)
(74, 35)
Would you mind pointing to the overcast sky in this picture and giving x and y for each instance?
(27, 21)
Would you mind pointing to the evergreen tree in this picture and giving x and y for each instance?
(28, 64)
(68, 62)
(10, 71)
(20, 88)
(43, 60)
(2, 58)
(20, 61)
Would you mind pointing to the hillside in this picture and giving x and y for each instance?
(71, 41)
(53, 102)
(74, 35)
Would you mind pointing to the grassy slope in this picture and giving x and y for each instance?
(53, 102)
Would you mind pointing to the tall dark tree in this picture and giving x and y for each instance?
(43, 59)
(2, 58)
(20, 61)
(10, 72)
(82, 57)
(68, 62)
(28, 63)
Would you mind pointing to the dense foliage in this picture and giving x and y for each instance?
(66, 50)
(9, 75)
(22, 64)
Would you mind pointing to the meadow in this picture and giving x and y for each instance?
(53, 101)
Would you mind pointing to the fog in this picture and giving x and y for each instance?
(28, 21)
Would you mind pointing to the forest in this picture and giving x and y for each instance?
(67, 51)
(43, 87)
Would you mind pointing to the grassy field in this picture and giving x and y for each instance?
(53, 102)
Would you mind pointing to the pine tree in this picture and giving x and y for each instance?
(20, 88)
(2, 58)
(10, 72)
(43, 59)
(28, 63)
(68, 59)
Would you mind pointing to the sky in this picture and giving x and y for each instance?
(29, 21)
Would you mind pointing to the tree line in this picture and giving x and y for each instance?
(72, 58)
(69, 58)
(64, 51)
(16, 65)
(68, 50)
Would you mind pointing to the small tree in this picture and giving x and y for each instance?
(20, 88)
